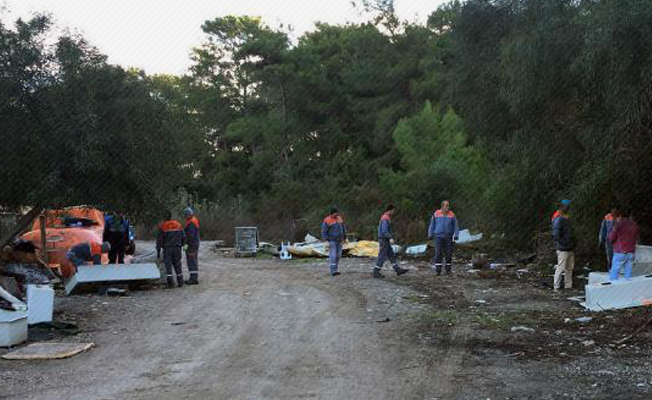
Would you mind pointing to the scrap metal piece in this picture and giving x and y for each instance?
(88, 274)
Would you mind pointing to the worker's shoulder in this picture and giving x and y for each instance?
(440, 214)
(170, 225)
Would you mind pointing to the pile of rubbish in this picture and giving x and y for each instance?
(313, 247)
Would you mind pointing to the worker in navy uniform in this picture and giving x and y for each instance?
(171, 239)
(192, 245)
(116, 232)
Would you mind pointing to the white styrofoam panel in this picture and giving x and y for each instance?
(622, 293)
(112, 273)
(40, 303)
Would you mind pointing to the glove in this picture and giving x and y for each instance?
(158, 253)
(185, 248)
(455, 239)
(392, 241)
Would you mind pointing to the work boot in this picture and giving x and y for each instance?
(180, 280)
(377, 274)
(400, 271)
(170, 282)
(438, 269)
(336, 274)
(192, 280)
(449, 269)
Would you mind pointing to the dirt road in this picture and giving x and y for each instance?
(266, 329)
(250, 330)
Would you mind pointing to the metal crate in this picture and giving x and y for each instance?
(246, 241)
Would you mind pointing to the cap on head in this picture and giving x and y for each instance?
(565, 202)
(334, 210)
(106, 247)
(188, 212)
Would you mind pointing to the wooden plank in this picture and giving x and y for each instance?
(20, 226)
(44, 236)
(48, 351)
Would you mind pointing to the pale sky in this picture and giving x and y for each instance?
(157, 35)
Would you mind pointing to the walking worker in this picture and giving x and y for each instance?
(624, 236)
(385, 251)
(334, 232)
(191, 231)
(564, 244)
(83, 253)
(171, 238)
(444, 230)
(116, 232)
(603, 237)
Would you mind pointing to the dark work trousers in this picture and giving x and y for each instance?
(609, 249)
(192, 259)
(443, 251)
(117, 254)
(385, 252)
(172, 259)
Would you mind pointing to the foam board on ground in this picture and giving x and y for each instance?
(622, 293)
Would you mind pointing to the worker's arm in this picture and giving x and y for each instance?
(456, 229)
(324, 231)
(343, 231)
(613, 236)
(603, 232)
(385, 230)
(159, 242)
(431, 227)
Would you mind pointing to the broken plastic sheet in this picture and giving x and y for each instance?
(416, 250)
(366, 248)
(466, 237)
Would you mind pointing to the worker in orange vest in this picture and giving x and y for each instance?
(171, 239)
(192, 245)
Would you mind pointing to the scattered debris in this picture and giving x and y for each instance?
(416, 250)
(521, 329)
(481, 301)
(48, 351)
(466, 237)
(588, 342)
(584, 319)
(383, 320)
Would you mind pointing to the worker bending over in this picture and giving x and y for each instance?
(171, 238)
(192, 245)
(83, 253)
